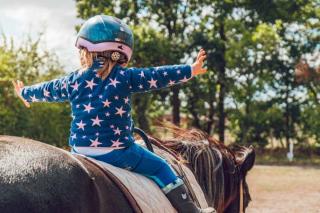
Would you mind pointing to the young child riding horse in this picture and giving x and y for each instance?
(100, 94)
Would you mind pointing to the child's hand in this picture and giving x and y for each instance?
(197, 66)
(18, 87)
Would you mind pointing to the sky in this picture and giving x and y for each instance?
(55, 18)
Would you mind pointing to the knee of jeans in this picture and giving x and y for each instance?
(163, 166)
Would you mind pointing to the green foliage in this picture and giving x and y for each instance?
(252, 49)
(45, 122)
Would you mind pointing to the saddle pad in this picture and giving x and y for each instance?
(147, 194)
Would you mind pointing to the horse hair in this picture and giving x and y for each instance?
(213, 163)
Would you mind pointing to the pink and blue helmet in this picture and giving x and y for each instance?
(106, 33)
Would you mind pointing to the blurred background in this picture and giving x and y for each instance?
(262, 87)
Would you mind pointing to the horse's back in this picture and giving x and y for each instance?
(37, 177)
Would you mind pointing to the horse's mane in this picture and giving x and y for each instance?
(208, 158)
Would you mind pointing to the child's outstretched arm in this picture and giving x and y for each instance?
(145, 79)
(51, 91)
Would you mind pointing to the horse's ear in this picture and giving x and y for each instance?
(248, 161)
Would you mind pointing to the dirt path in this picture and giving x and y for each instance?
(278, 189)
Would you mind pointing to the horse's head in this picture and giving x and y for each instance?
(244, 158)
(219, 170)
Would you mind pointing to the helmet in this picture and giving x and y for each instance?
(106, 33)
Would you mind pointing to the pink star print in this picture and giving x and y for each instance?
(165, 73)
(122, 72)
(64, 85)
(114, 82)
(88, 107)
(120, 111)
(140, 86)
(34, 99)
(153, 83)
(95, 142)
(90, 84)
(171, 82)
(96, 121)
(184, 79)
(107, 114)
(126, 100)
(81, 125)
(117, 131)
(106, 103)
(116, 143)
(46, 93)
(75, 86)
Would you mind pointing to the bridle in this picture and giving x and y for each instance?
(241, 197)
(237, 169)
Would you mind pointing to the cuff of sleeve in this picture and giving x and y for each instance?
(190, 76)
(22, 96)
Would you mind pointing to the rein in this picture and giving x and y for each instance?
(241, 197)
(188, 184)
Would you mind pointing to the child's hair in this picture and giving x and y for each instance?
(86, 60)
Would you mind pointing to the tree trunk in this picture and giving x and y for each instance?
(222, 82)
(175, 100)
(175, 103)
(211, 112)
(287, 110)
(192, 100)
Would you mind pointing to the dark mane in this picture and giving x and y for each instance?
(213, 163)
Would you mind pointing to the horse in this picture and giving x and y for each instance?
(220, 170)
(37, 177)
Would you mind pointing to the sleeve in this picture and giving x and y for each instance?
(145, 79)
(51, 91)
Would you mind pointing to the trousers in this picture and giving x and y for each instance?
(140, 160)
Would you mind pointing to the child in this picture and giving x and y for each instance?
(99, 95)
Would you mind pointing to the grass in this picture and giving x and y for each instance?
(279, 157)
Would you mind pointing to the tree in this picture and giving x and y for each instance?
(244, 39)
(45, 122)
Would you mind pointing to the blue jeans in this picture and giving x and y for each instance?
(140, 160)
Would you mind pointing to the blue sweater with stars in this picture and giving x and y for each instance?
(101, 109)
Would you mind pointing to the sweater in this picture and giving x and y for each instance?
(101, 109)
